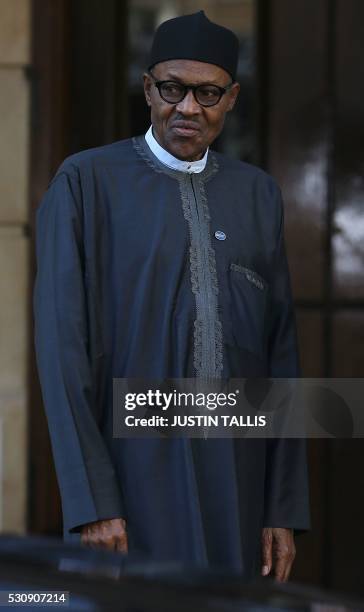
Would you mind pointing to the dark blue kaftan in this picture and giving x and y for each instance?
(132, 282)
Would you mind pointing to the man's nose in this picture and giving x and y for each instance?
(189, 105)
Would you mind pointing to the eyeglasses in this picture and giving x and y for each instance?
(205, 94)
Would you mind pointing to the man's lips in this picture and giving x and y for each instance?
(185, 128)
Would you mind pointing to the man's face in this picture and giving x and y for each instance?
(186, 128)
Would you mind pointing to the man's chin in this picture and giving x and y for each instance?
(185, 151)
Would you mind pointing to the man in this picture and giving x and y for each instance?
(160, 258)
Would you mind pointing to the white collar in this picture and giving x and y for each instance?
(171, 161)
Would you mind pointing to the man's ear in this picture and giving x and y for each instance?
(233, 94)
(147, 85)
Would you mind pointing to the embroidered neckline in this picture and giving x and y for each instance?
(144, 151)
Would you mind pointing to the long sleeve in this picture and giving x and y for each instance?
(86, 476)
(286, 485)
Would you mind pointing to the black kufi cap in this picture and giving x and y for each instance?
(195, 37)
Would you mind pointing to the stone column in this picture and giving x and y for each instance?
(14, 255)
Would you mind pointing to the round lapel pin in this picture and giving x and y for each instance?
(220, 235)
